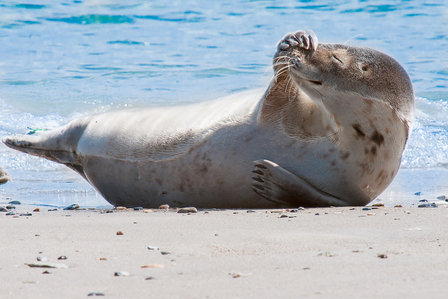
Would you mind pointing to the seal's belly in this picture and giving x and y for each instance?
(217, 174)
(178, 183)
(213, 174)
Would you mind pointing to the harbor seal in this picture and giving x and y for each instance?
(329, 131)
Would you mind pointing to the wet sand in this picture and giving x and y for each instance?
(393, 252)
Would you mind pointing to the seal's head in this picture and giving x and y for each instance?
(331, 69)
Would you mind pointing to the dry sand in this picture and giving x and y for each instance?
(322, 253)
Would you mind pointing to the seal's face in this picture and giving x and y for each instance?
(331, 68)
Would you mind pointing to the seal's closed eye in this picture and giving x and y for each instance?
(337, 59)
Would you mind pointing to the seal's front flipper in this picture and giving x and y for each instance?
(278, 185)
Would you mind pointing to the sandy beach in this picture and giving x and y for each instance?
(375, 252)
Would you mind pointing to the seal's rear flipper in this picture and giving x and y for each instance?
(278, 185)
(57, 145)
(49, 146)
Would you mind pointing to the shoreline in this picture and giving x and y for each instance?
(320, 252)
(70, 188)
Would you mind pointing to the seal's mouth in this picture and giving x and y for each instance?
(315, 82)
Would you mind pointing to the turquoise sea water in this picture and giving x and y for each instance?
(63, 59)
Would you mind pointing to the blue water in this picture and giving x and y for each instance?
(62, 60)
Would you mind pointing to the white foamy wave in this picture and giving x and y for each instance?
(428, 143)
(16, 122)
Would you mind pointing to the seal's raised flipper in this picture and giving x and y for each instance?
(299, 111)
(278, 185)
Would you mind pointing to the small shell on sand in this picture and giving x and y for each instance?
(153, 266)
(121, 273)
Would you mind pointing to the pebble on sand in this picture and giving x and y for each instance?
(152, 247)
(95, 294)
(428, 205)
(120, 233)
(47, 265)
(121, 273)
(188, 210)
(36, 210)
(382, 256)
(327, 254)
(62, 257)
(15, 202)
(72, 207)
(238, 275)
